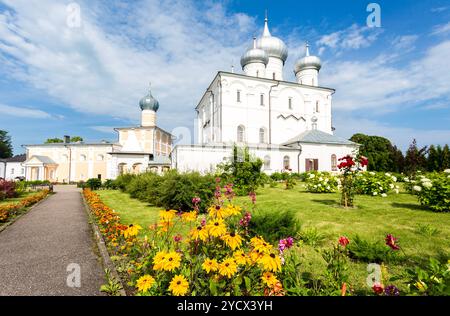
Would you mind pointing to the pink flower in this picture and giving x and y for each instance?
(285, 243)
(196, 200)
(252, 196)
(343, 241)
(177, 238)
(390, 241)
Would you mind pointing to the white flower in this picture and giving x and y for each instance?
(417, 188)
(396, 191)
(320, 179)
(375, 193)
(311, 175)
(406, 179)
(447, 170)
(328, 187)
(391, 186)
(372, 173)
(388, 174)
(394, 178)
(383, 194)
(427, 184)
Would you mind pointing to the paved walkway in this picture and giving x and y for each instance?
(36, 250)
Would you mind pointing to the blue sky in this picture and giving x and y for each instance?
(392, 81)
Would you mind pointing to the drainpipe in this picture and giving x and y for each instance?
(298, 156)
(270, 111)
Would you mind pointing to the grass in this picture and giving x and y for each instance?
(422, 233)
(131, 211)
(17, 199)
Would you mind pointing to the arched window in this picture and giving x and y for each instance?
(122, 168)
(137, 168)
(267, 162)
(333, 162)
(262, 135)
(83, 157)
(100, 157)
(286, 162)
(241, 134)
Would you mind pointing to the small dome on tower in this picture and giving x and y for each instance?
(149, 102)
(308, 62)
(254, 55)
(273, 46)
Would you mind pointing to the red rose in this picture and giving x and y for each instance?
(343, 241)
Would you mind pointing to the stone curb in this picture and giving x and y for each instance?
(107, 263)
(6, 225)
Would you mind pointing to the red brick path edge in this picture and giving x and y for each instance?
(106, 259)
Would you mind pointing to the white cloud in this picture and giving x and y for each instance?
(381, 85)
(441, 29)
(404, 42)
(104, 67)
(353, 37)
(23, 112)
(104, 129)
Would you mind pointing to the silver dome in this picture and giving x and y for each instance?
(149, 102)
(254, 55)
(273, 46)
(308, 62)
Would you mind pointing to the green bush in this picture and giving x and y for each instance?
(243, 170)
(145, 187)
(93, 184)
(274, 226)
(432, 190)
(375, 183)
(432, 280)
(123, 180)
(321, 182)
(371, 252)
(109, 184)
(312, 237)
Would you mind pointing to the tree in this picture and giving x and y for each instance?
(76, 139)
(434, 155)
(54, 140)
(445, 157)
(397, 158)
(378, 150)
(6, 150)
(415, 158)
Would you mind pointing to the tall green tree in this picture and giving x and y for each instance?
(415, 158)
(6, 149)
(445, 157)
(378, 150)
(397, 159)
(433, 158)
(75, 139)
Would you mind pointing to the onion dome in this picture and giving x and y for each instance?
(273, 46)
(254, 55)
(149, 102)
(308, 62)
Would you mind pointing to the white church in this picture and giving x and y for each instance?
(288, 125)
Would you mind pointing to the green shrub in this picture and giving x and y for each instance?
(274, 226)
(432, 280)
(176, 190)
(123, 180)
(375, 183)
(81, 184)
(243, 170)
(311, 236)
(109, 184)
(145, 187)
(433, 190)
(427, 230)
(371, 252)
(321, 182)
(93, 184)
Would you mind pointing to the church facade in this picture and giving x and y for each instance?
(286, 124)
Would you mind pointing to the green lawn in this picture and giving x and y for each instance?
(17, 199)
(131, 211)
(373, 218)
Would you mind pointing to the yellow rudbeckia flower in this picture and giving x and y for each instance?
(232, 240)
(189, 216)
(228, 267)
(131, 231)
(216, 228)
(199, 232)
(144, 283)
(240, 257)
(210, 265)
(271, 262)
(167, 215)
(172, 261)
(179, 286)
(158, 260)
(269, 279)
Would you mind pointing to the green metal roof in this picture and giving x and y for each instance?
(319, 137)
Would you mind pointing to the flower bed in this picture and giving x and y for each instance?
(321, 182)
(7, 211)
(188, 254)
